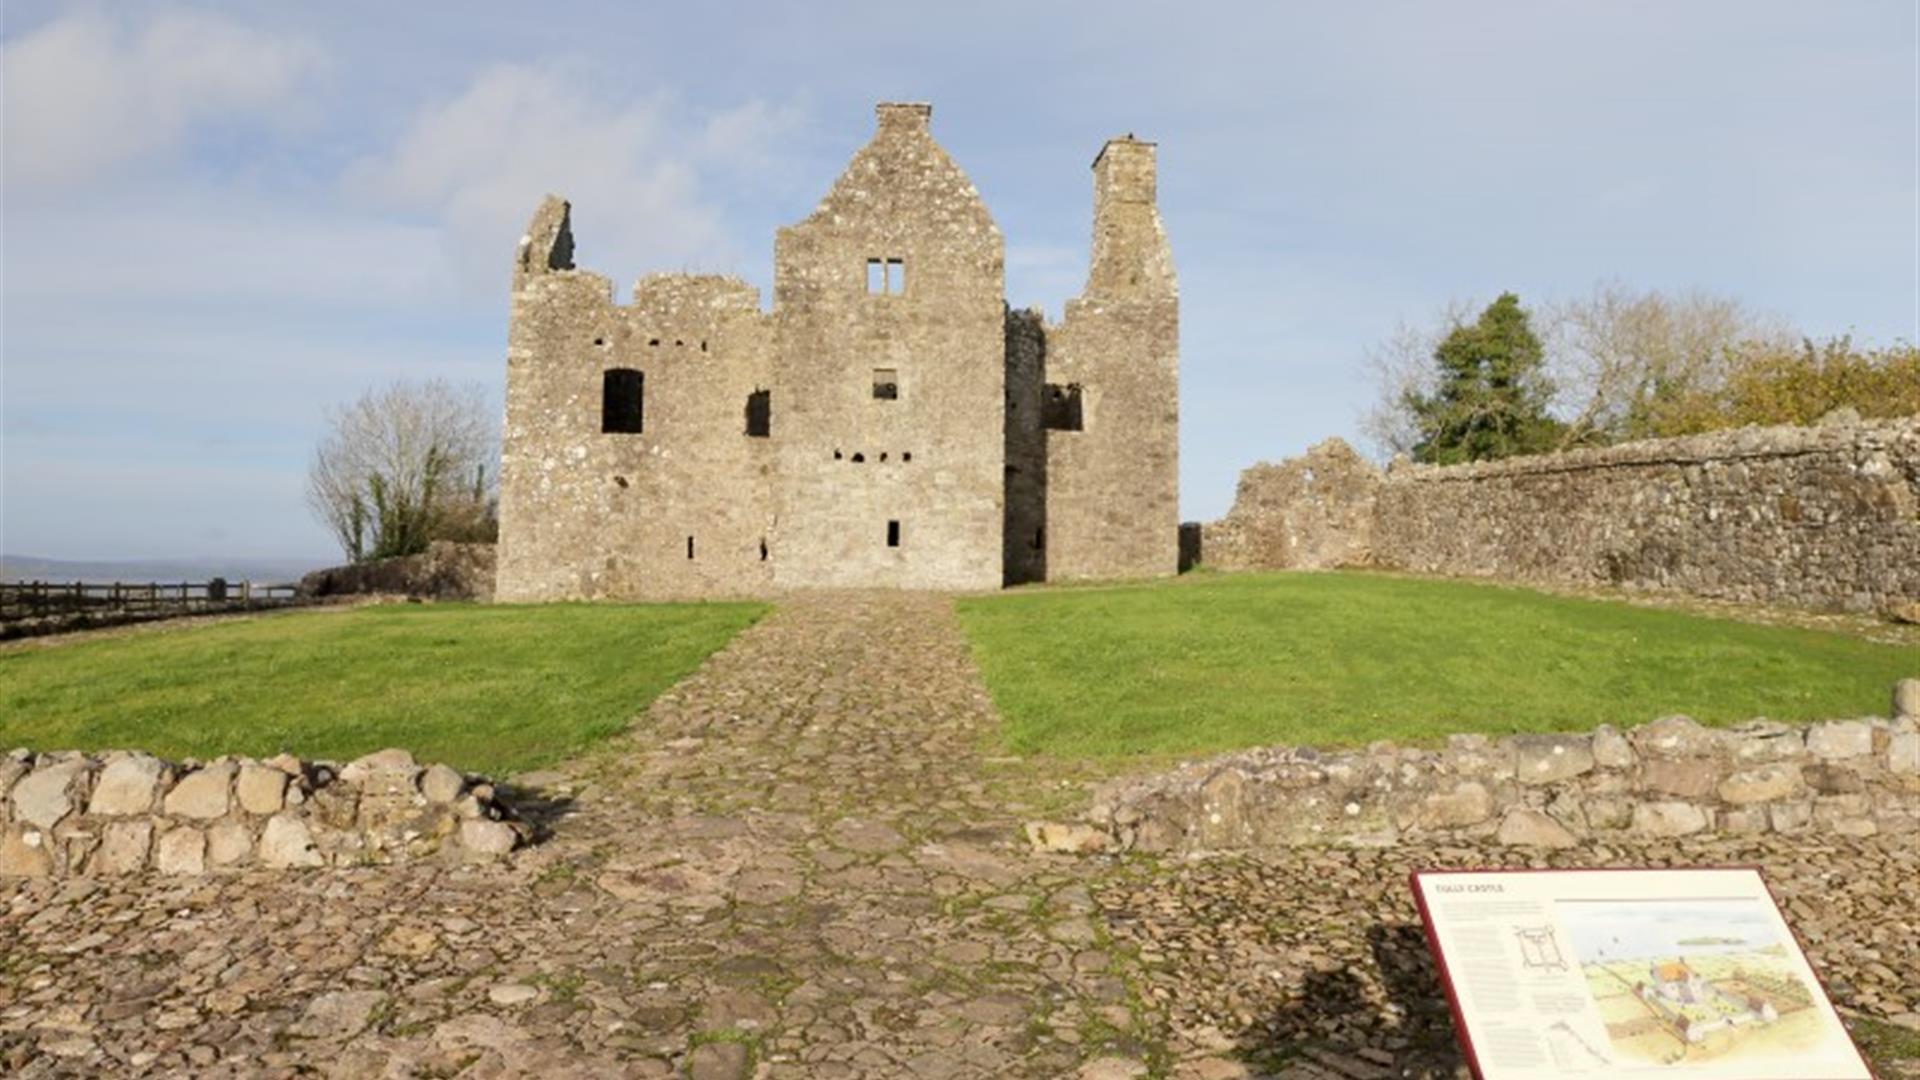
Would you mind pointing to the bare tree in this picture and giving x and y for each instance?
(405, 465)
(1402, 371)
(1619, 355)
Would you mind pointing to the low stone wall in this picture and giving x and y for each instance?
(445, 571)
(1823, 517)
(122, 812)
(1671, 777)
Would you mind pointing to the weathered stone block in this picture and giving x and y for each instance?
(130, 784)
(1672, 737)
(1607, 812)
(1466, 803)
(1840, 739)
(1611, 750)
(488, 838)
(1531, 828)
(229, 842)
(1764, 783)
(441, 784)
(1833, 779)
(1766, 741)
(1749, 819)
(1048, 836)
(1668, 819)
(203, 794)
(1547, 759)
(1906, 698)
(286, 841)
(261, 789)
(1691, 778)
(1791, 817)
(123, 847)
(25, 851)
(46, 796)
(182, 850)
(1903, 754)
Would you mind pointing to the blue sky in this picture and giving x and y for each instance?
(222, 219)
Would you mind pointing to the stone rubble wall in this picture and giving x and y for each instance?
(445, 571)
(1672, 777)
(69, 813)
(1823, 517)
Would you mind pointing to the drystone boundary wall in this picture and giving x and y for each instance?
(1669, 778)
(68, 813)
(445, 571)
(1823, 517)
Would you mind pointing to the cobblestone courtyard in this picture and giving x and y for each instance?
(798, 864)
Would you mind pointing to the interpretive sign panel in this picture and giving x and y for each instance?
(1629, 973)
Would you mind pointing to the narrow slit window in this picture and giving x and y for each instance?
(759, 413)
(886, 384)
(622, 400)
(763, 549)
(896, 277)
(689, 547)
(876, 277)
(1060, 411)
(893, 534)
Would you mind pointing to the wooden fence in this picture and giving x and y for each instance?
(30, 599)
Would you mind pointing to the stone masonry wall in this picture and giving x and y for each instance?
(904, 445)
(1821, 517)
(445, 571)
(122, 812)
(1112, 485)
(1672, 777)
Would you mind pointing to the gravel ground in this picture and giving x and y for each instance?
(795, 866)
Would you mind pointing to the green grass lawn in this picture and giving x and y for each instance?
(1230, 661)
(489, 688)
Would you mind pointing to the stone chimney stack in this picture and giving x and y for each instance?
(1130, 254)
(904, 115)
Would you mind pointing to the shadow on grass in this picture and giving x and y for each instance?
(1388, 1018)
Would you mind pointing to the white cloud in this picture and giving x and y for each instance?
(632, 168)
(88, 93)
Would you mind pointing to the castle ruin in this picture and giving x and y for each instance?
(890, 422)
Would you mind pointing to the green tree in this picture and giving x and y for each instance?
(1490, 399)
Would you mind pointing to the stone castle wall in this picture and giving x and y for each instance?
(116, 813)
(1672, 777)
(949, 479)
(1821, 517)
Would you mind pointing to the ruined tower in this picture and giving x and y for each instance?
(887, 423)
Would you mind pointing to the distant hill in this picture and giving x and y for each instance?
(264, 571)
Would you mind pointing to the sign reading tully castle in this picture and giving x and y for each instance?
(890, 422)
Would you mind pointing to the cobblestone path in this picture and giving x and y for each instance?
(795, 866)
(791, 864)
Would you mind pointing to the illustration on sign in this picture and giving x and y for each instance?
(1629, 973)
(1685, 980)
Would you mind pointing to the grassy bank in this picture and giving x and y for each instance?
(1243, 660)
(491, 688)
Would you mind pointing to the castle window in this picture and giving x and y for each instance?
(886, 277)
(622, 394)
(689, 547)
(759, 413)
(1061, 409)
(886, 384)
(763, 549)
(893, 534)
